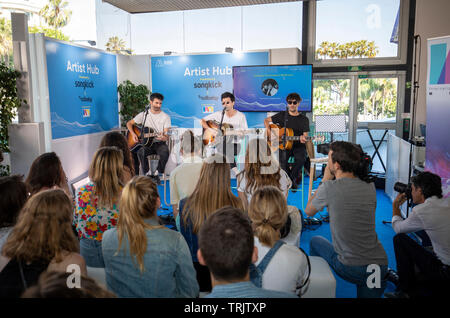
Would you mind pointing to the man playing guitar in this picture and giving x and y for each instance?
(300, 125)
(158, 120)
(231, 117)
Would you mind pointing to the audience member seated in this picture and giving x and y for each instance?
(47, 172)
(96, 203)
(260, 169)
(213, 191)
(183, 178)
(422, 272)
(116, 139)
(13, 195)
(142, 257)
(351, 201)
(280, 266)
(226, 246)
(55, 285)
(41, 240)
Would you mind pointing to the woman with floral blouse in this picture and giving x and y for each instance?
(97, 203)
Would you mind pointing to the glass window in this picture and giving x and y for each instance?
(349, 29)
(271, 26)
(211, 30)
(377, 107)
(155, 33)
(332, 97)
(377, 99)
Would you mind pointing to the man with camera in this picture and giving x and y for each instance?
(349, 194)
(432, 214)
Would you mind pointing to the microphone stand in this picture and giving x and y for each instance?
(142, 133)
(220, 128)
(284, 140)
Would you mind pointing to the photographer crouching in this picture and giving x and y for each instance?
(432, 214)
(350, 196)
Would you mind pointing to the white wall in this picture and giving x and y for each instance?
(432, 20)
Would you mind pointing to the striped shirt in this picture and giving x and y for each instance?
(245, 290)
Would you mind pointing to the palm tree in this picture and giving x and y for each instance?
(56, 14)
(115, 44)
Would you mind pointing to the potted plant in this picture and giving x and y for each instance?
(133, 100)
(9, 103)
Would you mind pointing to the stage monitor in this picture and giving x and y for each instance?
(264, 88)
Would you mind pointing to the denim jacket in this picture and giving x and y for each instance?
(169, 271)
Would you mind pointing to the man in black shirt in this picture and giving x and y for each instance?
(300, 125)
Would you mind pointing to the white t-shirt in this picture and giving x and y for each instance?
(287, 269)
(238, 120)
(156, 121)
(285, 184)
(432, 216)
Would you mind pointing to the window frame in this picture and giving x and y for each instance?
(402, 51)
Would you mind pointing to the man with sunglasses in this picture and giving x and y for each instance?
(232, 117)
(300, 125)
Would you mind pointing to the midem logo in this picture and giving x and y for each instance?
(86, 112)
(208, 109)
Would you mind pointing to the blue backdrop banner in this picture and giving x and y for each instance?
(82, 86)
(192, 84)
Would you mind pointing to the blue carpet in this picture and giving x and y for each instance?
(384, 231)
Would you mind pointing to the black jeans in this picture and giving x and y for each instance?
(299, 154)
(229, 154)
(159, 148)
(433, 276)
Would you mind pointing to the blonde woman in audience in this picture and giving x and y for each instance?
(46, 172)
(41, 240)
(116, 139)
(142, 257)
(261, 169)
(286, 269)
(97, 203)
(213, 191)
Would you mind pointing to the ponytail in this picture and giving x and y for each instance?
(268, 212)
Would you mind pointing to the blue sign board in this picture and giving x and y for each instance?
(192, 84)
(82, 87)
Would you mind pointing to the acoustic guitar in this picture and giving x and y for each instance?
(290, 138)
(144, 139)
(210, 134)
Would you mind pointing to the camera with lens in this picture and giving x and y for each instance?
(324, 149)
(403, 188)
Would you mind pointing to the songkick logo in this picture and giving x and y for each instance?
(208, 109)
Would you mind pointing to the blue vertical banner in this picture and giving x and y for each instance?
(82, 86)
(192, 84)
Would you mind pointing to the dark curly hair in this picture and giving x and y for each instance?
(352, 159)
(430, 184)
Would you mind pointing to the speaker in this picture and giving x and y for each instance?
(406, 128)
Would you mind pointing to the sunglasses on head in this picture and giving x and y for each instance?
(292, 102)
